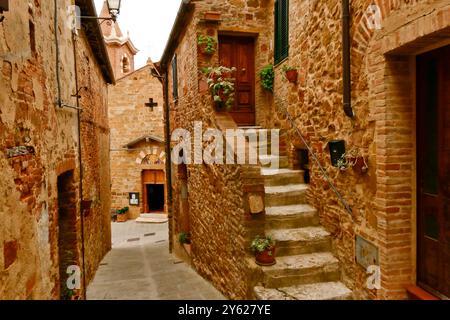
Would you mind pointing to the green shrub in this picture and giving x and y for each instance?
(267, 77)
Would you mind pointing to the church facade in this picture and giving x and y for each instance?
(135, 110)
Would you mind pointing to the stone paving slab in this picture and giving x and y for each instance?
(144, 269)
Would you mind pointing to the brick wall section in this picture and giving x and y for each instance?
(29, 205)
(218, 195)
(382, 200)
(130, 119)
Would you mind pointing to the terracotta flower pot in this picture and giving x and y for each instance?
(212, 16)
(292, 75)
(266, 258)
(122, 218)
(359, 165)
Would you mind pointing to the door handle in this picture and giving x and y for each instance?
(243, 70)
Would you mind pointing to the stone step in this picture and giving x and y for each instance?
(279, 177)
(268, 161)
(290, 217)
(290, 242)
(285, 195)
(314, 291)
(301, 269)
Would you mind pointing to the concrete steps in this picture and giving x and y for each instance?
(315, 291)
(280, 177)
(286, 195)
(292, 216)
(301, 269)
(292, 242)
(306, 269)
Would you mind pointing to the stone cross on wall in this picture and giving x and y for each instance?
(151, 104)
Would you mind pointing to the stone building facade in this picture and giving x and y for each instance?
(42, 229)
(135, 111)
(383, 220)
(137, 142)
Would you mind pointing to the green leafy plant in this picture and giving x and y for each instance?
(184, 238)
(287, 68)
(123, 210)
(221, 85)
(209, 43)
(267, 77)
(261, 244)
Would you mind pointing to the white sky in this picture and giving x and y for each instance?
(149, 23)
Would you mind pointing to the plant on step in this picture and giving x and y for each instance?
(207, 44)
(353, 159)
(264, 249)
(290, 73)
(184, 237)
(221, 86)
(267, 76)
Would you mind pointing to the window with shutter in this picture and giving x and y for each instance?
(174, 78)
(281, 30)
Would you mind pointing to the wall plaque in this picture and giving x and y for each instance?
(134, 198)
(366, 253)
(19, 151)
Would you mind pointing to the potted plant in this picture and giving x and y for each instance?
(221, 86)
(184, 238)
(207, 44)
(264, 249)
(291, 73)
(122, 214)
(267, 76)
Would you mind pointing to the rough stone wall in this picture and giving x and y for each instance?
(217, 194)
(382, 200)
(29, 116)
(129, 120)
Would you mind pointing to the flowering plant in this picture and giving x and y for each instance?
(221, 85)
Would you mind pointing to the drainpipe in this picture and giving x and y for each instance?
(80, 159)
(346, 63)
(58, 78)
(168, 157)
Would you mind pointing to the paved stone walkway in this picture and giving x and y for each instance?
(139, 267)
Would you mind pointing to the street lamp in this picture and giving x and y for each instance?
(113, 8)
(4, 6)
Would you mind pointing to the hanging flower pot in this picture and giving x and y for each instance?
(221, 86)
(207, 45)
(359, 164)
(291, 74)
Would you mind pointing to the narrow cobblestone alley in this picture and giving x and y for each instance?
(139, 267)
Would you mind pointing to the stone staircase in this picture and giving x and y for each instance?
(306, 268)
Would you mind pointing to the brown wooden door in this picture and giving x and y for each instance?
(433, 114)
(239, 52)
(155, 179)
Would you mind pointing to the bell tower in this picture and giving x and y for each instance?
(121, 49)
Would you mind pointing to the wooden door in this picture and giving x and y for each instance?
(149, 178)
(433, 114)
(239, 52)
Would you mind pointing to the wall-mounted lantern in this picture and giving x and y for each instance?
(4, 6)
(113, 8)
(337, 150)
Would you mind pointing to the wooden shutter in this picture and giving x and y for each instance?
(281, 30)
(174, 78)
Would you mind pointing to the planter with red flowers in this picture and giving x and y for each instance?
(264, 249)
(291, 73)
(221, 85)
